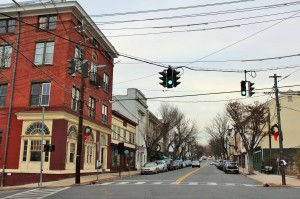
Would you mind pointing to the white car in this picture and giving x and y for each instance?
(149, 167)
(162, 165)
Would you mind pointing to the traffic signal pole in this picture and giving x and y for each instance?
(279, 130)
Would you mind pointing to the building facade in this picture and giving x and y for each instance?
(123, 131)
(135, 110)
(36, 40)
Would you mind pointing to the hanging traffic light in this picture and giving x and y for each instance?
(170, 78)
(175, 78)
(163, 78)
(72, 67)
(243, 88)
(250, 89)
(85, 69)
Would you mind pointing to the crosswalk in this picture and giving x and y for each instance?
(134, 182)
(38, 193)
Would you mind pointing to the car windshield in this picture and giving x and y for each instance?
(195, 162)
(149, 164)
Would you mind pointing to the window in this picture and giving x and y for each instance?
(115, 159)
(75, 98)
(89, 154)
(35, 150)
(104, 114)
(40, 91)
(3, 93)
(44, 52)
(290, 98)
(7, 25)
(105, 82)
(92, 107)
(124, 135)
(47, 22)
(119, 133)
(5, 55)
(25, 150)
(114, 132)
(72, 152)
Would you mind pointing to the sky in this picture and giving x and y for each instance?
(225, 36)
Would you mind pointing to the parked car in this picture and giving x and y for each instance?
(223, 164)
(188, 163)
(231, 167)
(149, 167)
(180, 163)
(174, 165)
(162, 165)
(196, 163)
(169, 163)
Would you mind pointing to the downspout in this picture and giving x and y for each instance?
(10, 103)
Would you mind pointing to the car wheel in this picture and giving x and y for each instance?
(226, 171)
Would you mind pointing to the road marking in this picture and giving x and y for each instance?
(211, 183)
(36, 193)
(157, 182)
(188, 174)
(122, 182)
(230, 184)
(140, 183)
(174, 183)
(193, 183)
(106, 183)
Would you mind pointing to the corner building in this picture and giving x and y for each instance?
(36, 42)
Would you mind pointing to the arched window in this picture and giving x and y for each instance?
(36, 129)
(71, 145)
(72, 131)
(103, 140)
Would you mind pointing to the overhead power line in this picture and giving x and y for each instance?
(169, 9)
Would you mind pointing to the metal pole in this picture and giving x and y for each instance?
(279, 130)
(42, 148)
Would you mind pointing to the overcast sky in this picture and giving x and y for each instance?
(210, 34)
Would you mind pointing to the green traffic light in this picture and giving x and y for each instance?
(243, 93)
(170, 82)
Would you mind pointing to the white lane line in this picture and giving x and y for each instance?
(211, 183)
(157, 182)
(230, 184)
(106, 183)
(140, 183)
(193, 183)
(174, 183)
(120, 183)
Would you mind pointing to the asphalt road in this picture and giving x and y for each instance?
(188, 183)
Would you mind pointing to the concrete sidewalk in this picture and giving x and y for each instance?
(84, 180)
(272, 179)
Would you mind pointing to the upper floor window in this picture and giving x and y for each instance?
(47, 22)
(75, 98)
(105, 82)
(92, 107)
(104, 114)
(7, 25)
(44, 52)
(3, 93)
(5, 55)
(40, 91)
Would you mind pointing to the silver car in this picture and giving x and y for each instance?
(150, 167)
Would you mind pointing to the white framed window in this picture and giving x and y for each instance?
(7, 25)
(32, 143)
(3, 93)
(124, 135)
(71, 146)
(5, 56)
(114, 132)
(75, 98)
(47, 22)
(92, 107)
(105, 82)
(104, 114)
(119, 133)
(44, 52)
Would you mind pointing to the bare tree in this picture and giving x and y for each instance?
(217, 131)
(152, 136)
(249, 121)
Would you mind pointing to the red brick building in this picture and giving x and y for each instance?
(36, 40)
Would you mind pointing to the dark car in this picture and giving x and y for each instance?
(169, 163)
(180, 163)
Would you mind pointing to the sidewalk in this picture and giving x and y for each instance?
(84, 180)
(273, 180)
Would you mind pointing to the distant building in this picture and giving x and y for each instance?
(134, 106)
(36, 40)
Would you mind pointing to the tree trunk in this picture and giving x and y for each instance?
(250, 169)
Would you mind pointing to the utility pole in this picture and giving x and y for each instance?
(80, 121)
(279, 130)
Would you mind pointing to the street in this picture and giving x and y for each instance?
(206, 182)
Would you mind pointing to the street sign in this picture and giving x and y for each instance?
(126, 152)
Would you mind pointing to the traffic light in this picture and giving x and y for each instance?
(85, 69)
(121, 147)
(243, 88)
(175, 78)
(163, 78)
(250, 89)
(72, 67)
(170, 78)
(49, 148)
